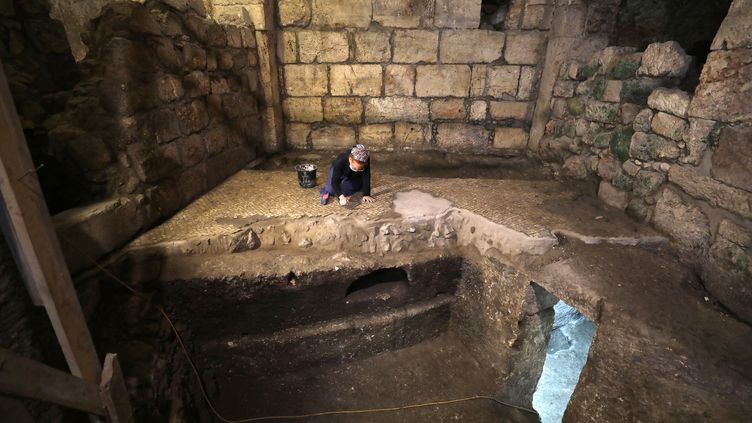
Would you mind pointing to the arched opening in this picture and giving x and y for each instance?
(382, 284)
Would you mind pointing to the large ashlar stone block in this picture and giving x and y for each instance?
(341, 13)
(502, 81)
(323, 46)
(510, 110)
(343, 109)
(375, 135)
(414, 46)
(669, 100)
(723, 93)
(372, 46)
(732, 161)
(478, 81)
(294, 12)
(525, 48)
(303, 109)
(736, 29)
(684, 222)
(478, 110)
(287, 47)
(334, 136)
(537, 16)
(305, 80)
(461, 136)
(510, 138)
(471, 46)
(99, 228)
(448, 109)
(664, 59)
(527, 83)
(399, 80)
(408, 134)
(391, 109)
(401, 13)
(350, 80)
(668, 126)
(728, 273)
(716, 193)
(457, 13)
(297, 134)
(442, 81)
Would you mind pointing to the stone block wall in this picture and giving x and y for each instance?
(163, 108)
(417, 74)
(678, 160)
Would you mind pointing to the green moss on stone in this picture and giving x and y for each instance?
(620, 141)
(575, 106)
(647, 182)
(588, 71)
(623, 181)
(599, 87)
(598, 111)
(603, 140)
(713, 136)
(623, 69)
(565, 129)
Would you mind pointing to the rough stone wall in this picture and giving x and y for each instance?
(39, 69)
(675, 159)
(167, 110)
(416, 74)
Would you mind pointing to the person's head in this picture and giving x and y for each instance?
(359, 158)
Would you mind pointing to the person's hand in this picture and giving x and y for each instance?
(343, 200)
(368, 199)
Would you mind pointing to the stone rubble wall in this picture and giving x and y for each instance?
(39, 68)
(678, 160)
(416, 74)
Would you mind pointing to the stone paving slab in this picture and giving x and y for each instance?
(534, 208)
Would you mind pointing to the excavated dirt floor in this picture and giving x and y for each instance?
(663, 350)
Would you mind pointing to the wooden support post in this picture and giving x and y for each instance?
(31, 235)
(114, 392)
(20, 376)
(271, 109)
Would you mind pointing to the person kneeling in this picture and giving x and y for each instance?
(349, 173)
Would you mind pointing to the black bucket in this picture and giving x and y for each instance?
(306, 175)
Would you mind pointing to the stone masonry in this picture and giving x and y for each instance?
(412, 74)
(167, 108)
(675, 159)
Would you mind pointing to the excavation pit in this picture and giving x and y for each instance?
(346, 339)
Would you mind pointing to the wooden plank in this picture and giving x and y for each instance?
(30, 231)
(23, 377)
(114, 392)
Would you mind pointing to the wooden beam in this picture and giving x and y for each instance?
(30, 233)
(27, 378)
(114, 392)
